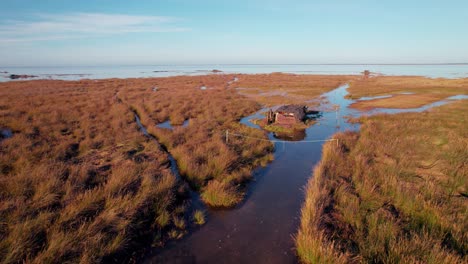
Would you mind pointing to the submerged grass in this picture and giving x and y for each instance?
(199, 217)
(395, 192)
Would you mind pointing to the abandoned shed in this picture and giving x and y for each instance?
(288, 115)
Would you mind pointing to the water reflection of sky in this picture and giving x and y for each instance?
(274, 199)
(167, 124)
(335, 113)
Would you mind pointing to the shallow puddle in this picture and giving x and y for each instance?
(5, 133)
(167, 124)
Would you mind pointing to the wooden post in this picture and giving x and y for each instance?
(227, 136)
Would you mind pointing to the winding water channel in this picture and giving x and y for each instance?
(261, 229)
(195, 202)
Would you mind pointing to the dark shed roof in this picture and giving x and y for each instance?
(299, 111)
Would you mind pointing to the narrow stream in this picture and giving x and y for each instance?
(261, 229)
(195, 201)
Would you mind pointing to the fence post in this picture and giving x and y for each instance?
(227, 136)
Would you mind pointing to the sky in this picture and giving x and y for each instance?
(115, 32)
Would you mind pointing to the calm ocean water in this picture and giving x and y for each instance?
(102, 72)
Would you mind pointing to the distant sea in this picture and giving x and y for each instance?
(102, 72)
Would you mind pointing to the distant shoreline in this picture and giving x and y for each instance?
(441, 70)
(240, 64)
(86, 77)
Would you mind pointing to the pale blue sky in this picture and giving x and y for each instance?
(109, 32)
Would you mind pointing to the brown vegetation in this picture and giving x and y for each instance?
(215, 168)
(382, 85)
(395, 192)
(280, 88)
(399, 101)
(78, 182)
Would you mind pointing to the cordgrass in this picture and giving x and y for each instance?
(394, 192)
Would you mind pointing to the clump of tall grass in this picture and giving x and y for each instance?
(220, 194)
(199, 217)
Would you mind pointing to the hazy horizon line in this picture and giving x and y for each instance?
(234, 64)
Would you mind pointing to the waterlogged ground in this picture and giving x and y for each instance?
(91, 189)
(261, 229)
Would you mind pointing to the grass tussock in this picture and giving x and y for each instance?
(199, 217)
(395, 192)
(221, 194)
